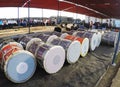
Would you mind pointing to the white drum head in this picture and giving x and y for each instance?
(51, 38)
(93, 42)
(84, 47)
(64, 35)
(20, 66)
(99, 35)
(73, 52)
(32, 41)
(54, 59)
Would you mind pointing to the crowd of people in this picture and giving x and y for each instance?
(11, 23)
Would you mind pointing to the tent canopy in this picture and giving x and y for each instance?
(96, 8)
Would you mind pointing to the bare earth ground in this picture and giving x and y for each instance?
(85, 73)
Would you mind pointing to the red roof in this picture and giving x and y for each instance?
(97, 8)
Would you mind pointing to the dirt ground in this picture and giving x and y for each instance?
(87, 72)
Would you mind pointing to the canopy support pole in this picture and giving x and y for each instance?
(58, 12)
(29, 17)
(115, 52)
(18, 18)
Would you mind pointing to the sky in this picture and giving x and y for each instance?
(12, 12)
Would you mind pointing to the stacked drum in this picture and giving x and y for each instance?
(90, 35)
(50, 57)
(19, 65)
(72, 48)
(84, 43)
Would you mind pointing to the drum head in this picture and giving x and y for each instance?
(99, 35)
(54, 59)
(64, 35)
(73, 52)
(51, 38)
(20, 66)
(93, 42)
(84, 47)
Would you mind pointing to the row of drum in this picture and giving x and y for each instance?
(49, 51)
(19, 65)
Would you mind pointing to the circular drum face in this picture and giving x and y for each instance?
(20, 66)
(54, 59)
(73, 52)
(84, 47)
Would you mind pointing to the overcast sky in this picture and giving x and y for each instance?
(34, 12)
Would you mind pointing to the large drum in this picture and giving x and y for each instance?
(72, 48)
(84, 43)
(18, 65)
(99, 35)
(110, 38)
(26, 40)
(91, 36)
(51, 58)
(46, 38)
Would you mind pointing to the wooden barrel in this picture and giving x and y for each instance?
(84, 43)
(91, 36)
(50, 57)
(19, 65)
(72, 48)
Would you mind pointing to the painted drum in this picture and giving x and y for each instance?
(46, 38)
(24, 40)
(91, 36)
(50, 57)
(110, 38)
(18, 65)
(83, 41)
(99, 36)
(72, 48)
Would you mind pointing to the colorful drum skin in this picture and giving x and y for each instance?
(72, 48)
(18, 65)
(84, 43)
(51, 58)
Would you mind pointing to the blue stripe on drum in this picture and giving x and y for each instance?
(20, 67)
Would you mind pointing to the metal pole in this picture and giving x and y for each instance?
(18, 18)
(29, 17)
(58, 11)
(42, 16)
(116, 49)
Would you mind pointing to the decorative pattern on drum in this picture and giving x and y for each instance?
(110, 38)
(46, 38)
(24, 40)
(79, 34)
(18, 65)
(51, 58)
(83, 41)
(72, 49)
(92, 38)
